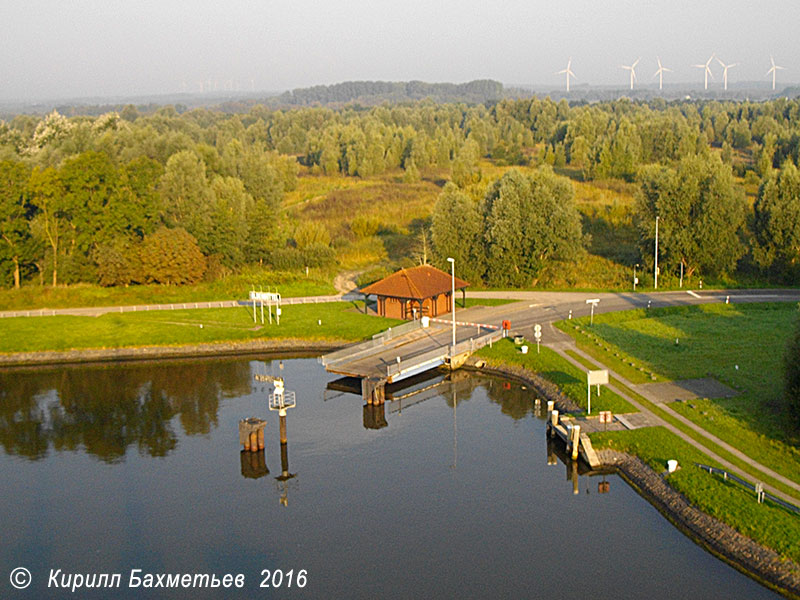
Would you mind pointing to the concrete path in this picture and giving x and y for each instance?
(561, 348)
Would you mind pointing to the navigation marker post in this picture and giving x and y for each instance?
(593, 302)
(597, 378)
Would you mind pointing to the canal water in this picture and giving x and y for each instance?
(447, 493)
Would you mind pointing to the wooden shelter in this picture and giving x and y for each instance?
(416, 292)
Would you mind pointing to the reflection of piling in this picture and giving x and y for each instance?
(552, 458)
(574, 476)
(375, 416)
(254, 464)
(251, 434)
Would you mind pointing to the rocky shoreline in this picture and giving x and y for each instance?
(741, 552)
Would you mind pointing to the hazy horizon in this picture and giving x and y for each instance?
(100, 49)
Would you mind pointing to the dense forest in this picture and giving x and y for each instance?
(170, 197)
(376, 92)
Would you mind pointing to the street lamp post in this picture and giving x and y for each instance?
(635, 279)
(655, 271)
(452, 262)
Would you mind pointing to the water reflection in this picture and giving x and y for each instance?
(453, 473)
(254, 464)
(107, 410)
(574, 469)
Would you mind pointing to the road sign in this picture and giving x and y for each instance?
(594, 302)
(537, 327)
(598, 378)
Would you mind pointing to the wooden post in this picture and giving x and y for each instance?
(576, 441)
(282, 418)
(553, 418)
(261, 439)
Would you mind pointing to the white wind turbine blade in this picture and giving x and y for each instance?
(633, 66)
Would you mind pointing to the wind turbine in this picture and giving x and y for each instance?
(660, 73)
(632, 69)
(773, 70)
(568, 72)
(707, 69)
(725, 71)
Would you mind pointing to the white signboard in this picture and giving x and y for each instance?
(265, 296)
(597, 377)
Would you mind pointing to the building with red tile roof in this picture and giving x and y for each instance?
(413, 293)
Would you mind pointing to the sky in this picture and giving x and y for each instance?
(96, 48)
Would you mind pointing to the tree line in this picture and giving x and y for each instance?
(80, 196)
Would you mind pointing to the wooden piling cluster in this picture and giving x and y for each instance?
(373, 391)
(251, 434)
(577, 443)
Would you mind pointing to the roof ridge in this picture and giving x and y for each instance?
(411, 283)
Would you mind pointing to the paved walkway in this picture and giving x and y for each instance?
(561, 348)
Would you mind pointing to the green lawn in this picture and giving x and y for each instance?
(339, 320)
(766, 523)
(712, 340)
(233, 287)
(548, 364)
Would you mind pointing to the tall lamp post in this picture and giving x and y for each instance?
(452, 262)
(635, 279)
(655, 271)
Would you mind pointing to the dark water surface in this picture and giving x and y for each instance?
(107, 469)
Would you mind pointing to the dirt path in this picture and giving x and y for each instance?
(345, 282)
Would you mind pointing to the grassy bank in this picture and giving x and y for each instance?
(739, 345)
(232, 287)
(767, 524)
(548, 364)
(336, 320)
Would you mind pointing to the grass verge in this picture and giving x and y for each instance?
(767, 524)
(740, 345)
(335, 320)
(232, 287)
